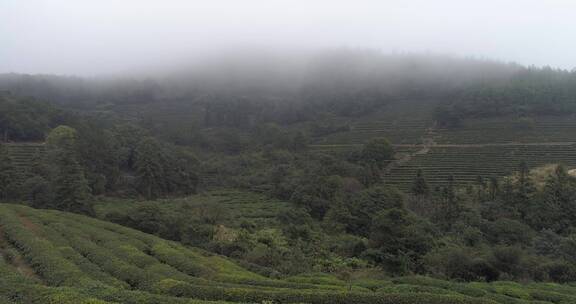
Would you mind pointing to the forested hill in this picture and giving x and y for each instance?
(350, 166)
(343, 83)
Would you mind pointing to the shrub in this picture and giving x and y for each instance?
(41, 255)
(315, 297)
(560, 272)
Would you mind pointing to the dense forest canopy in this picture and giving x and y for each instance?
(344, 82)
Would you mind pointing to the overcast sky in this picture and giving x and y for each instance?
(108, 36)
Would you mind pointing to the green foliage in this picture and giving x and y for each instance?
(377, 152)
(159, 171)
(25, 119)
(420, 186)
(9, 177)
(83, 260)
(71, 190)
(62, 137)
(399, 240)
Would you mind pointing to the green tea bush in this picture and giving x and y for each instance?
(554, 297)
(181, 261)
(41, 255)
(182, 289)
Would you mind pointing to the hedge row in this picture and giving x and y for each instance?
(182, 289)
(108, 262)
(90, 268)
(41, 254)
(85, 225)
(176, 258)
(50, 232)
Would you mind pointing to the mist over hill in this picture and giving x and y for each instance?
(275, 152)
(278, 74)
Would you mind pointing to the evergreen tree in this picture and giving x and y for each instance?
(524, 190)
(71, 192)
(450, 206)
(38, 191)
(150, 170)
(71, 188)
(375, 155)
(555, 207)
(494, 187)
(377, 152)
(420, 186)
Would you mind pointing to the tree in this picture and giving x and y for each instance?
(524, 189)
(378, 152)
(62, 137)
(318, 194)
(366, 204)
(450, 206)
(554, 207)
(150, 170)
(493, 187)
(99, 154)
(72, 192)
(127, 136)
(375, 155)
(398, 240)
(9, 176)
(38, 191)
(420, 186)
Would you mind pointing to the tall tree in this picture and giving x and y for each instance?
(9, 176)
(72, 192)
(377, 151)
(150, 170)
(420, 186)
(524, 189)
(375, 155)
(450, 207)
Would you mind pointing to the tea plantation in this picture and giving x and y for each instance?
(488, 147)
(56, 257)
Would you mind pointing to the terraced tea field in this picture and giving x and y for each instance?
(397, 132)
(49, 256)
(507, 130)
(466, 163)
(22, 154)
(401, 122)
(480, 147)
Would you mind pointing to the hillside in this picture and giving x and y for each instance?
(57, 257)
(479, 147)
(338, 190)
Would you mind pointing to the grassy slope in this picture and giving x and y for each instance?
(56, 257)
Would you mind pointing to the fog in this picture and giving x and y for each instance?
(85, 37)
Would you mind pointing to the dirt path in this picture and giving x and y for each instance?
(17, 261)
(29, 224)
(565, 143)
(428, 141)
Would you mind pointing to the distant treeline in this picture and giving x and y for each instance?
(347, 83)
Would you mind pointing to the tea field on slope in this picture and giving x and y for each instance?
(56, 257)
